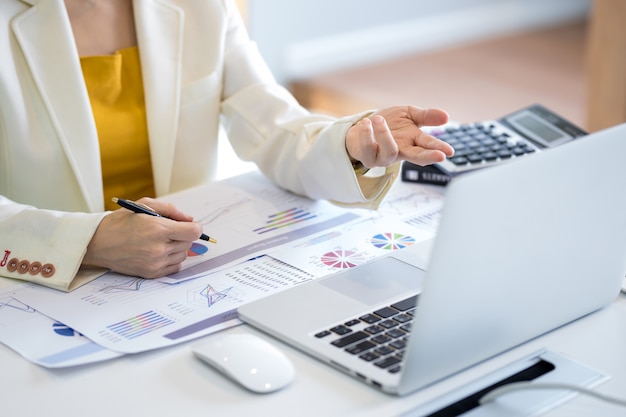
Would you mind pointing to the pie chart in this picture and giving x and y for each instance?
(392, 241)
(342, 259)
(62, 330)
(197, 249)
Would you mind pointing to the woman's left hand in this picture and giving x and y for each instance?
(394, 134)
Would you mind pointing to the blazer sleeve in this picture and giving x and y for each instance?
(302, 152)
(46, 246)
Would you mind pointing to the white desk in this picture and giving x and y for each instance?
(172, 382)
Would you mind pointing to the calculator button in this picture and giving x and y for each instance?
(459, 160)
(501, 139)
(481, 144)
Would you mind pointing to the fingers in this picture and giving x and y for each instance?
(424, 157)
(141, 245)
(394, 134)
(429, 142)
(167, 264)
(171, 212)
(166, 209)
(377, 145)
(427, 150)
(156, 259)
(428, 117)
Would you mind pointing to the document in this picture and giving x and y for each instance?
(130, 315)
(408, 215)
(351, 245)
(249, 216)
(40, 339)
(418, 205)
(268, 240)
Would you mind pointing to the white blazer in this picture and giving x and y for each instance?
(200, 72)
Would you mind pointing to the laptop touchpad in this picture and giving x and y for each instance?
(377, 281)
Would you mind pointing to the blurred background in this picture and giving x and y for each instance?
(477, 59)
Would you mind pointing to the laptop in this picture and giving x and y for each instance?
(521, 249)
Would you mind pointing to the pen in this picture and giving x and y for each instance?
(143, 209)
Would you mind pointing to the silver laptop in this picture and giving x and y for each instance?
(521, 249)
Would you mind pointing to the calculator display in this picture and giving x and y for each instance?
(538, 129)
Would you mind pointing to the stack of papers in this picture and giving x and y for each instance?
(268, 240)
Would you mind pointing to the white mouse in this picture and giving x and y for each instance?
(249, 360)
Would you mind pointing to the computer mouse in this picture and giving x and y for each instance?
(249, 360)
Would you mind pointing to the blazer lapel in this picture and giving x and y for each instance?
(159, 27)
(46, 40)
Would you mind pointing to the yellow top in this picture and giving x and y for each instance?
(115, 88)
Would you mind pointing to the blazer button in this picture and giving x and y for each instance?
(47, 270)
(23, 267)
(12, 264)
(35, 268)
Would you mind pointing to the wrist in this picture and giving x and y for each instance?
(352, 135)
(358, 167)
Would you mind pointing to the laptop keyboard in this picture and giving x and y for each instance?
(379, 337)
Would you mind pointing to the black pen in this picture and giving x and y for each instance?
(143, 209)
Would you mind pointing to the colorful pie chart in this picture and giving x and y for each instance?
(392, 241)
(197, 249)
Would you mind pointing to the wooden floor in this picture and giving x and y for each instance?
(478, 81)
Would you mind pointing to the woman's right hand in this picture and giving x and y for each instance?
(142, 245)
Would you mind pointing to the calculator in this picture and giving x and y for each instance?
(483, 144)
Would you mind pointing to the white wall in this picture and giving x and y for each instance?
(303, 38)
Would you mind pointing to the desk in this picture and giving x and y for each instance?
(170, 381)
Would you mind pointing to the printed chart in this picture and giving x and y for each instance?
(40, 339)
(268, 240)
(392, 241)
(197, 249)
(128, 315)
(207, 295)
(249, 217)
(283, 219)
(63, 330)
(351, 245)
(343, 259)
(418, 205)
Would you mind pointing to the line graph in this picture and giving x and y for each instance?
(212, 296)
(133, 284)
(14, 304)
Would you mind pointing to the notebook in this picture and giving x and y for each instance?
(521, 249)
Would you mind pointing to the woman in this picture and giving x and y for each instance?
(102, 98)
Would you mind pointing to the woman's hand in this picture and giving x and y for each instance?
(143, 245)
(395, 134)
